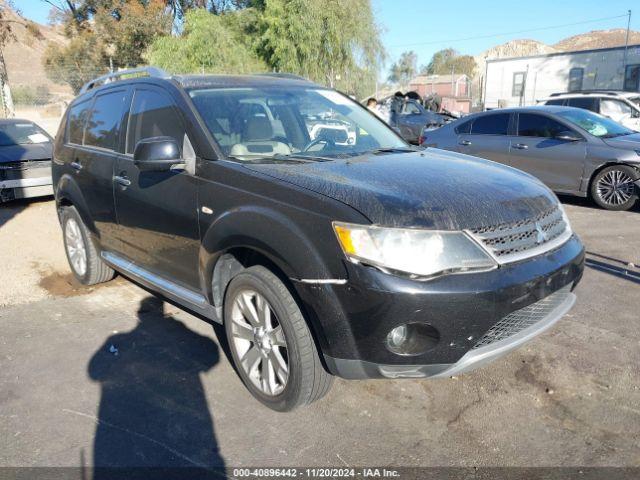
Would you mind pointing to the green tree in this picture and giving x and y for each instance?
(449, 60)
(104, 34)
(209, 44)
(334, 42)
(404, 69)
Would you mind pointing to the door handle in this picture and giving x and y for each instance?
(122, 180)
(520, 146)
(76, 166)
(466, 143)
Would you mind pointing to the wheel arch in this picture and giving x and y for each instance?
(68, 194)
(610, 163)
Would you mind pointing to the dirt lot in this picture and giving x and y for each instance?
(111, 376)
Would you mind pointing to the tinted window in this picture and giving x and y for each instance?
(530, 125)
(496, 124)
(464, 128)
(586, 103)
(77, 119)
(104, 121)
(153, 115)
(555, 102)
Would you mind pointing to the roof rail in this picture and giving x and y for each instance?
(284, 75)
(115, 76)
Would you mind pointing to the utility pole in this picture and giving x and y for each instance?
(626, 43)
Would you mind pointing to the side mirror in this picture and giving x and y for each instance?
(568, 136)
(156, 154)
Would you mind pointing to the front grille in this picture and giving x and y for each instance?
(525, 317)
(510, 241)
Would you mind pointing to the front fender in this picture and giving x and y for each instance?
(278, 238)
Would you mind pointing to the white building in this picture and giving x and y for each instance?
(512, 82)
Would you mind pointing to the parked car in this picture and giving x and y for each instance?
(573, 151)
(364, 260)
(25, 160)
(623, 107)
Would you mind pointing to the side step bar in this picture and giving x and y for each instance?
(182, 295)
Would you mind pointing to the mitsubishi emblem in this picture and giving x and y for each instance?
(541, 235)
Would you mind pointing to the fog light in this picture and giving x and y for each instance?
(412, 338)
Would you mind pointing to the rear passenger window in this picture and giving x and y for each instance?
(554, 102)
(530, 125)
(153, 115)
(586, 103)
(496, 124)
(77, 120)
(104, 121)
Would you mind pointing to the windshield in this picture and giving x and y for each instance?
(595, 124)
(21, 134)
(258, 124)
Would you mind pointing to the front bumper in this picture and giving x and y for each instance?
(355, 318)
(25, 182)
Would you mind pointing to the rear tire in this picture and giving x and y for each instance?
(84, 259)
(613, 189)
(271, 346)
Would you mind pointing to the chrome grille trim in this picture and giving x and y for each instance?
(524, 318)
(512, 242)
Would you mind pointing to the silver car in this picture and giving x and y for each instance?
(573, 151)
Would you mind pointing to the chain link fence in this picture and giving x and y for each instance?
(43, 100)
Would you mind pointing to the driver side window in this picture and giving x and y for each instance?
(153, 114)
(530, 125)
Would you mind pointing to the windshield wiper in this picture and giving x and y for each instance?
(393, 150)
(280, 157)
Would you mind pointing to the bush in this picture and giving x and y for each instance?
(29, 95)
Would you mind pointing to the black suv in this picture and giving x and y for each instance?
(321, 257)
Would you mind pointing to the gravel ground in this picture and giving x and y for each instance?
(169, 397)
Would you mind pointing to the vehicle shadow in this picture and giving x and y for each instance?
(10, 209)
(153, 413)
(588, 203)
(612, 266)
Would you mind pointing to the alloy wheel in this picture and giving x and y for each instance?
(75, 247)
(259, 342)
(615, 187)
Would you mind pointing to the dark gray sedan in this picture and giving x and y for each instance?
(25, 160)
(573, 151)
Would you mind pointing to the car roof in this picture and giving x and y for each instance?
(10, 121)
(595, 93)
(532, 108)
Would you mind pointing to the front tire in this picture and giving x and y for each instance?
(272, 348)
(84, 259)
(613, 188)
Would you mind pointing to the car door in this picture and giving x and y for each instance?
(157, 211)
(94, 134)
(621, 112)
(486, 136)
(537, 150)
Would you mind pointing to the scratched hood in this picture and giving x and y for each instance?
(19, 153)
(432, 189)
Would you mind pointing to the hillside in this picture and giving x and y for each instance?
(597, 39)
(23, 54)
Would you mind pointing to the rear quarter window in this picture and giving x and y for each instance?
(464, 127)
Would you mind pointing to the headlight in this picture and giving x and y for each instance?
(416, 252)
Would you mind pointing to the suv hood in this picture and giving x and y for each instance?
(19, 153)
(628, 142)
(431, 189)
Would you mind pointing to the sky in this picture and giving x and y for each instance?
(426, 26)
